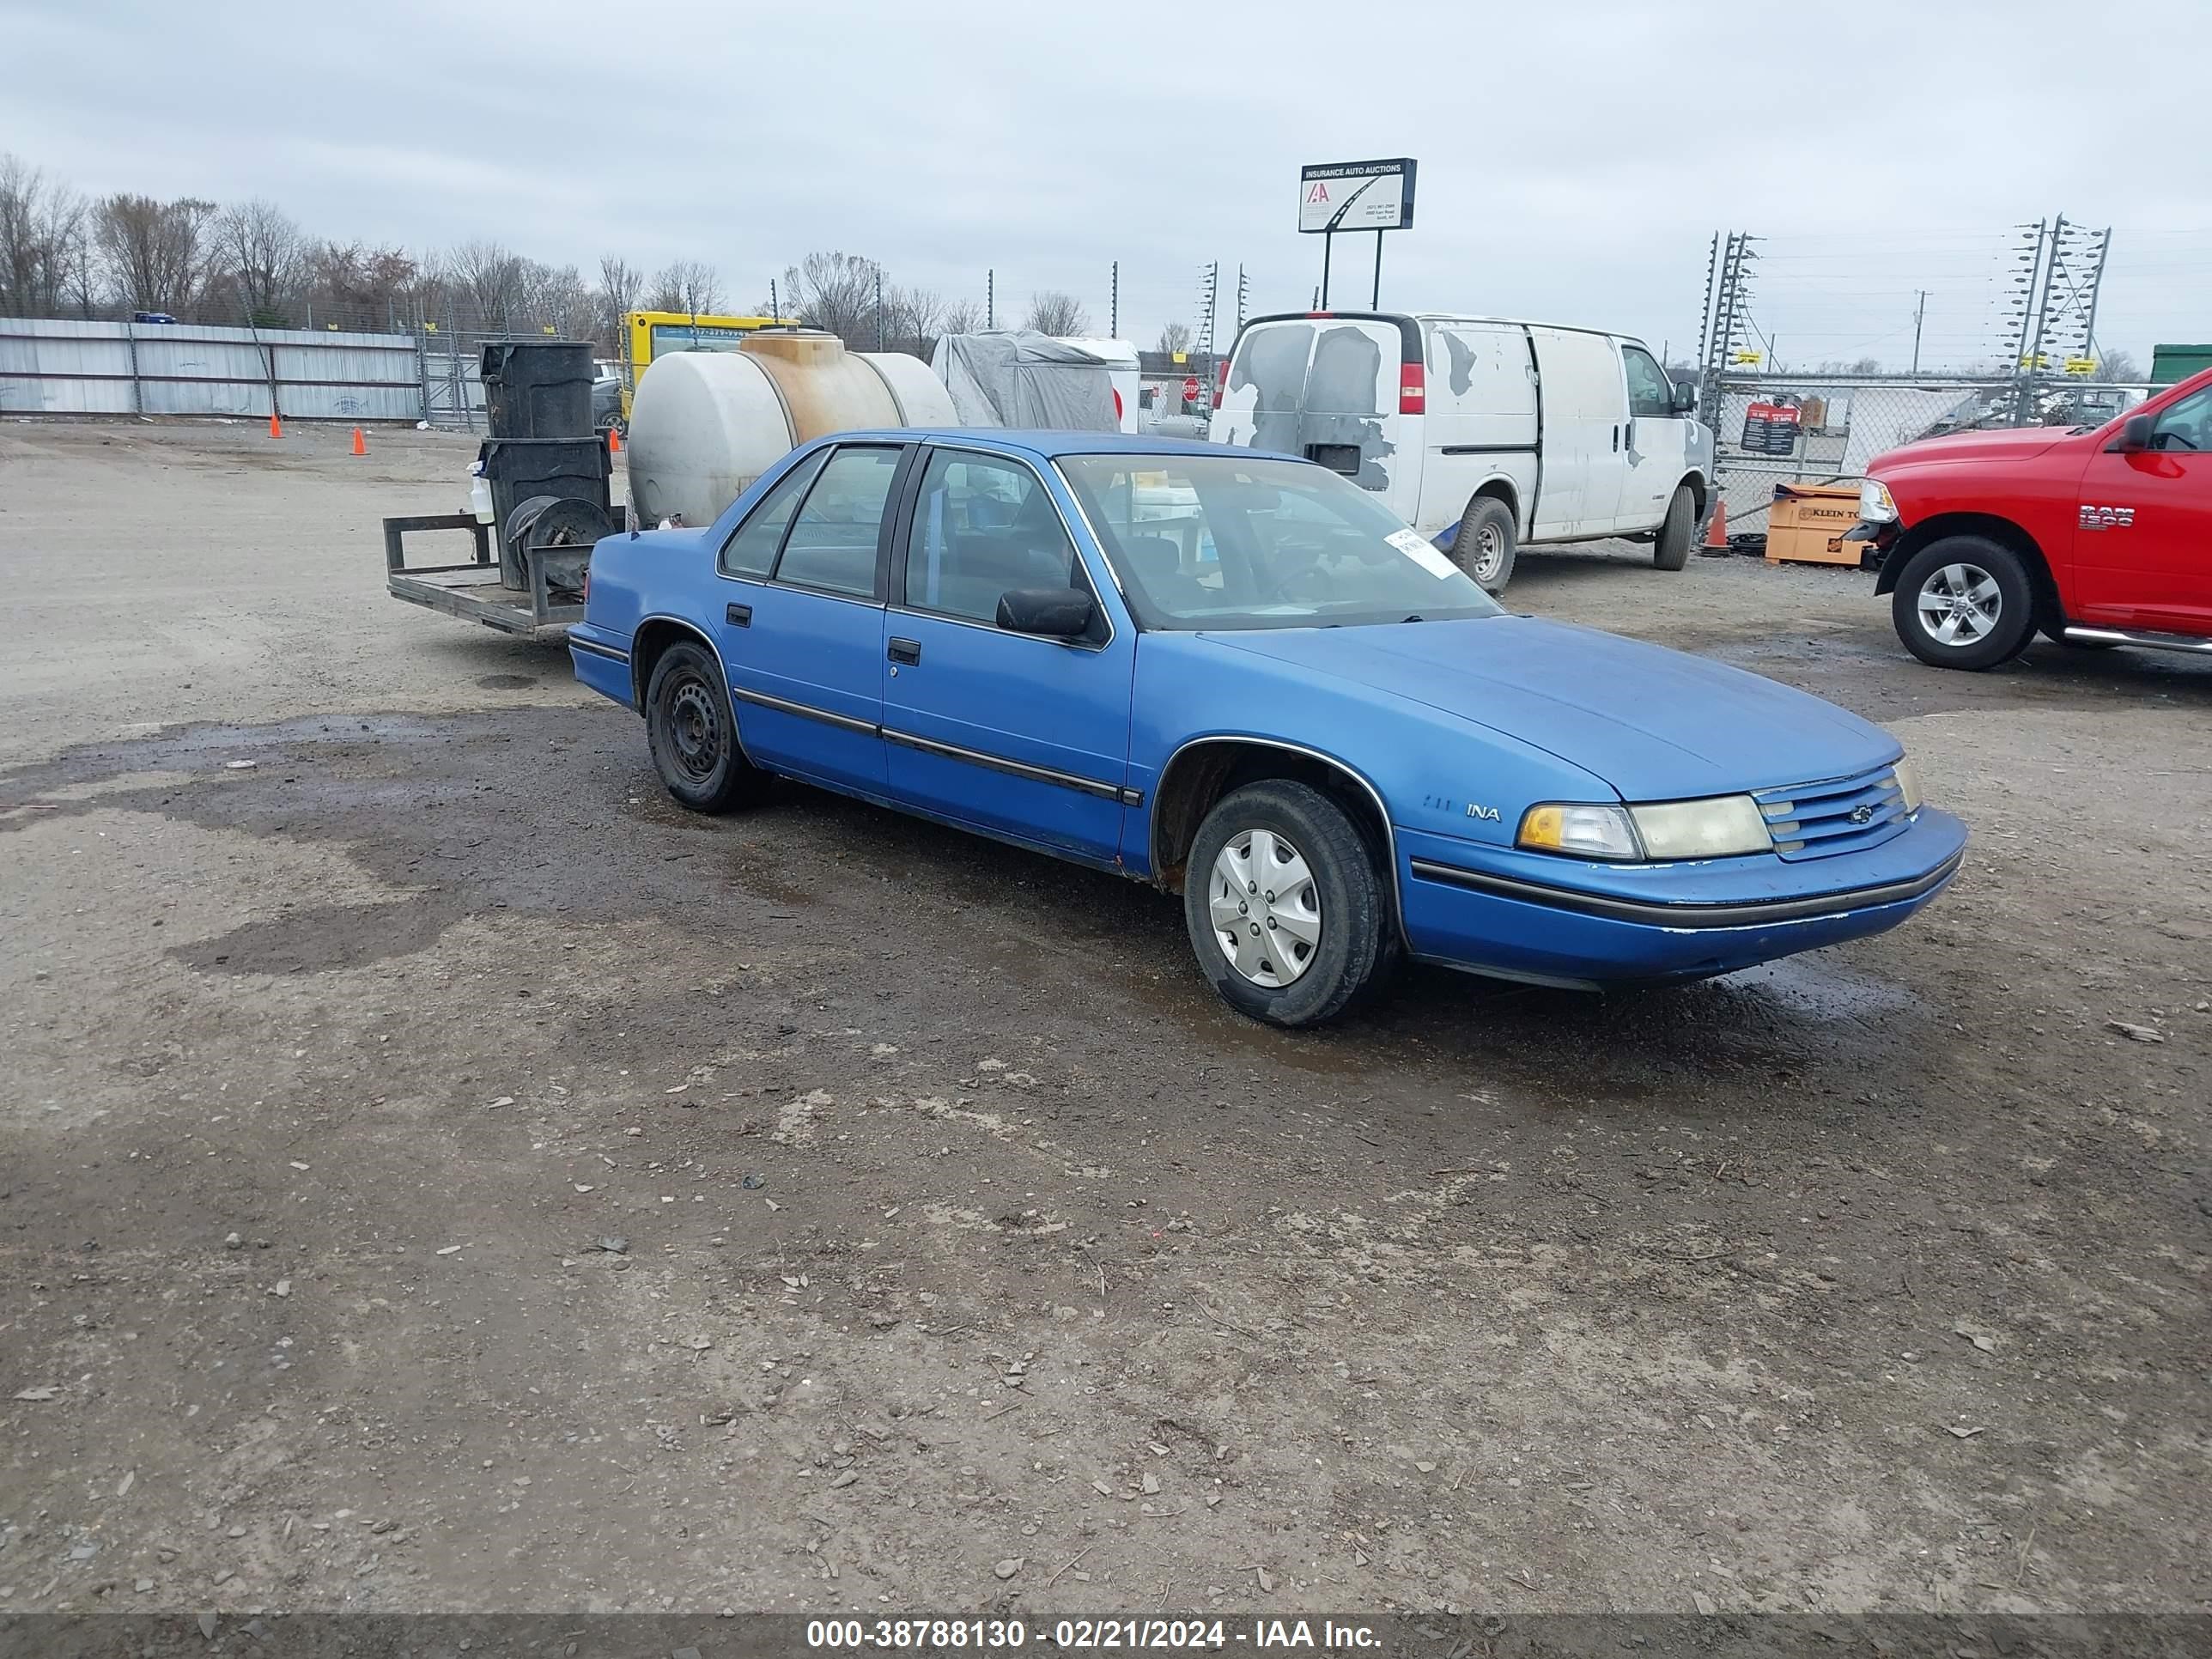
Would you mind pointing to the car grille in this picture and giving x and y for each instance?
(1842, 815)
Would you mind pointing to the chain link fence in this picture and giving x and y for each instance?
(1772, 430)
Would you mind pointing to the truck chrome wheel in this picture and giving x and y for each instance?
(1960, 603)
(1265, 907)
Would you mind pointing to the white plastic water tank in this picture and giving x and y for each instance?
(704, 424)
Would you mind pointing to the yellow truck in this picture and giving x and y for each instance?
(650, 334)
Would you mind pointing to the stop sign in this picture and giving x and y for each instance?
(1190, 389)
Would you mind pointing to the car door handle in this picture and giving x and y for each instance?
(1616, 440)
(740, 616)
(906, 651)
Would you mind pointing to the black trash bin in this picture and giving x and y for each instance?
(537, 388)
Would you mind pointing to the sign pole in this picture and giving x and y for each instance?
(1375, 304)
(1327, 240)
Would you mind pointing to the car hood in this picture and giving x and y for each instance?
(2005, 444)
(1656, 725)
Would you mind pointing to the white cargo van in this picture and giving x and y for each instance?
(1484, 434)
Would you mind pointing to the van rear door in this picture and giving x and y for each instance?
(1585, 403)
(1332, 389)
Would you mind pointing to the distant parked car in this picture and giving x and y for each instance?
(151, 317)
(1241, 678)
(607, 398)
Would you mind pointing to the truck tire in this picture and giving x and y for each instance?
(1486, 545)
(1288, 906)
(1671, 548)
(693, 733)
(1964, 602)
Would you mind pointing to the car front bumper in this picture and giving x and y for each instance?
(1521, 916)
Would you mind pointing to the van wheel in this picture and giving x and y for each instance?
(1964, 602)
(1672, 552)
(1486, 545)
(1286, 904)
(694, 736)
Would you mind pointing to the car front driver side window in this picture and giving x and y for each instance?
(983, 526)
(2187, 425)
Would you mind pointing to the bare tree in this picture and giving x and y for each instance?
(837, 292)
(554, 297)
(1174, 337)
(490, 282)
(912, 318)
(159, 256)
(620, 284)
(369, 287)
(690, 286)
(265, 258)
(44, 267)
(1054, 312)
(2116, 365)
(961, 316)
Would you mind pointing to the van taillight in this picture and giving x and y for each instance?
(1413, 389)
(1221, 382)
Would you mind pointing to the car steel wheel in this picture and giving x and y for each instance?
(694, 728)
(1489, 551)
(1960, 603)
(1265, 907)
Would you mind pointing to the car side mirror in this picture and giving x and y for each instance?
(2136, 433)
(1683, 399)
(1054, 613)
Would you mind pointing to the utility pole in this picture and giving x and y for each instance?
(1243, 293)
(774, 305)
(879, 307)
(1919, 314)
(1114, 305)
(990, 299)
(1209, 291)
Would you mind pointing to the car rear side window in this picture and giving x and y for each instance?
(751, 551)
(983, 526)
(832, 543)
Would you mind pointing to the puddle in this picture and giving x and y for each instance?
(1805, 985)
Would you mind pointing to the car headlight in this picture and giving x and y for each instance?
(1580, 830)
(1721, 828)
(1876, 505)
(1908, 782)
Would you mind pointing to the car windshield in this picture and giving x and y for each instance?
(1244, 541)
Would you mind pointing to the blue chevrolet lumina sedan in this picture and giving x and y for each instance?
(1239, 678)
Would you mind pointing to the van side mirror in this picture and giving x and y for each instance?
(1055, 613)
(1683, 398)
(2136, 433)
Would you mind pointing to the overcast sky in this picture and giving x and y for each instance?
(1575, 158)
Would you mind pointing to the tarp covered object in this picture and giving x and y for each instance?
(1019, 379)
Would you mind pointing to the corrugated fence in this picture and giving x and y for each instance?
(58, 368)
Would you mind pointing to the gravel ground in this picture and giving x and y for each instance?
(436, 1173)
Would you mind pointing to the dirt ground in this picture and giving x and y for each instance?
(971, 1256)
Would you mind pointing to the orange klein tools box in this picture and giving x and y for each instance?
(1805, 524)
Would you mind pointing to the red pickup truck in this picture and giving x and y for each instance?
(2095, 536)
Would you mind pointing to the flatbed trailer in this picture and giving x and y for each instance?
(474, 591)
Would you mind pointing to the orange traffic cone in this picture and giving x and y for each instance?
(1717, 541)
(275, 427)
(359, 444)
(614, 441)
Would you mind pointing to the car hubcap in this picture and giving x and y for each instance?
(1960, 603)
(694, 734)
(1265, 907)
(1489, 548)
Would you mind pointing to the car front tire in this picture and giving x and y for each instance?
(1964, 602)
(1287, 905)
(693, 734)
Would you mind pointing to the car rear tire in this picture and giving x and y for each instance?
(1287, 905)
(1672, 548)
(1486, 543)
(1964, 602)
(693, 734)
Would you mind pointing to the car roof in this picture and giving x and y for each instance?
(1043, 443)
